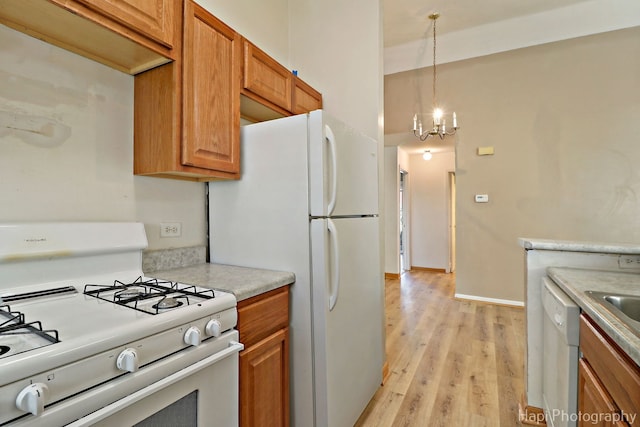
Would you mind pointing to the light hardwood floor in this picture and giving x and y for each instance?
(452, 362)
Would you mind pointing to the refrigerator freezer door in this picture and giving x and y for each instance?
(343, 168)
(262, 221)
(348, 339)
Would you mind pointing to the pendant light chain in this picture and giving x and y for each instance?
(435, 102)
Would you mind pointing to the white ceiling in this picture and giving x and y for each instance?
(472, 28)
(407, 20)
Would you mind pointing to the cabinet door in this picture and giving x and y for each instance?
(264, 382)
(594, 403)
(265, 77)
(153, 18)
(305, 98)
(211, 92)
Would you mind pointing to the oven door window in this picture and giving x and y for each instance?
(182, 413)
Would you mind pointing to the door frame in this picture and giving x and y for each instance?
(404, 222)
(451, 212)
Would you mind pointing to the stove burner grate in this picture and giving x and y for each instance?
(14, 325)
(11, 317)
(132, 295)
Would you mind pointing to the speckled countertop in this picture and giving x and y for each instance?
(577, 246)
(243, 282)
(575, 282)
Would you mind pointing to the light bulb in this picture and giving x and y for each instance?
(427, 155)
(437, 115)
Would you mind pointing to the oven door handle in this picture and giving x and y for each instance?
(234, 347)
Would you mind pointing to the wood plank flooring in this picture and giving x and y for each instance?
(452, 362)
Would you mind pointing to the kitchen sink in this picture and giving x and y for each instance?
(625, 307)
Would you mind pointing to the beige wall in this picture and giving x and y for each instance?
(342, 59)
(81, 168)
(265, 23)
(564, 121)
(66, 146)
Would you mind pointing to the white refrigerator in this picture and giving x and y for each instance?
(307, 203)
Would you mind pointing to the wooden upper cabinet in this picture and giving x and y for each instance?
(152, 18)
(187, 113)
(265, 77)
(129, 35)
(211, 99)
(304, 97)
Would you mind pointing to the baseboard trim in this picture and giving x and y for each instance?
(530, 415)
(391, 276)
(490, 300)
(385, 372)
(433, 270)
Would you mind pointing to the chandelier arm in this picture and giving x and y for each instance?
(422, 136)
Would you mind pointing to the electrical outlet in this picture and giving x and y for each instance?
(170, 229)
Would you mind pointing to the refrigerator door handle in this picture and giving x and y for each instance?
(334, 283)
(331, 139)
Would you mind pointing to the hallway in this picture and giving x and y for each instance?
(452, 362)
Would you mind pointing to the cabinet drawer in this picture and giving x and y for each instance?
(153, 18)
(305, 98)
(265, 77)
(97, 33)
(262, 315)
(619, 374)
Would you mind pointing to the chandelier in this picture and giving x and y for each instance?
(439, 123)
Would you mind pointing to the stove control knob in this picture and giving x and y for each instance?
(193, 336)
(31, 398)
(214, 328)
(128, 360)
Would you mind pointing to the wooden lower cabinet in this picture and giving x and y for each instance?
(263, 323)
(608, 381)
(264, 382)
(595, 401)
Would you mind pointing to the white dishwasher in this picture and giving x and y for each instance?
(560, 356)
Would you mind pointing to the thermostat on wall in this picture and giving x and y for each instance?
(485, 151)
(482, 198)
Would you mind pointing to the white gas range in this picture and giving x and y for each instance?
(87, 339)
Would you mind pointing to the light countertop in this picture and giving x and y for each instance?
(243, 282)
(578, 246)
(575, 282)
